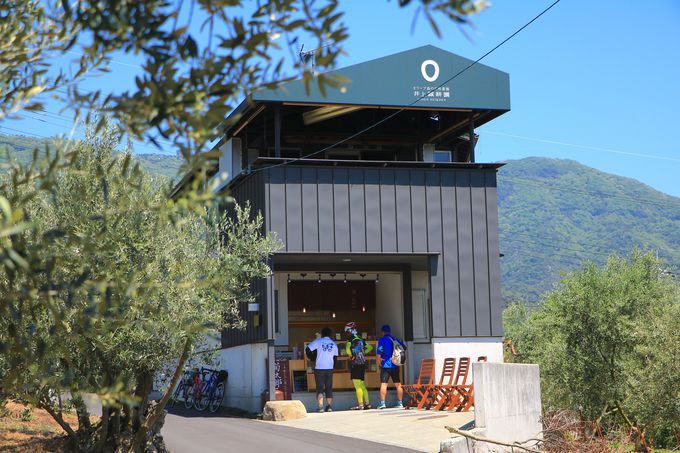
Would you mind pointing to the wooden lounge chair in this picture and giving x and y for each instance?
(457, 394)
(418, 392)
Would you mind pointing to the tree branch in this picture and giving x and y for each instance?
(64, 425)
(492, 441)
(632, 425)
(156, 411)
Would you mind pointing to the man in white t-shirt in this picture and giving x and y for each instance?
(324, 352)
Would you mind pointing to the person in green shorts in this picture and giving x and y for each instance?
(357, 349)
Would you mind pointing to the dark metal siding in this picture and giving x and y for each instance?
(494, 255)
(450, 255)
(452, 212)
(251, 190)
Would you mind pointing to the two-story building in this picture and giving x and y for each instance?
(384, 215)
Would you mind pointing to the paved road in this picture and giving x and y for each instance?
(186, 433)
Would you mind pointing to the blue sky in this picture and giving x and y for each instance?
(597, 82)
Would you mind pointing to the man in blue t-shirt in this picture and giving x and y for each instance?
(387, 368)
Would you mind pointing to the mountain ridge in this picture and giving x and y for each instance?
(553, 213)
(22, 148)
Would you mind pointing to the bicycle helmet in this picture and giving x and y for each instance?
(351, 327)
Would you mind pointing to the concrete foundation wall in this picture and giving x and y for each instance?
(344, 399)
(508, 400)
(507, 407)
(247, 375)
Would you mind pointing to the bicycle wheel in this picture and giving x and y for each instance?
(217, 397)
(202, 399)
(175, 395)
(189, 396)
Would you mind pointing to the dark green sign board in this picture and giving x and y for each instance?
(419, 77)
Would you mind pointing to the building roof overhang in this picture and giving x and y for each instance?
(424, 78)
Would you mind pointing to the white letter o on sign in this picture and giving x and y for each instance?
(423, 70)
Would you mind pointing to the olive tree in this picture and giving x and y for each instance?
(103, 278)
(606, 340)
(133, 280)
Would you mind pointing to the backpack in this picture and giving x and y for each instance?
(358, 351)
(398, 352)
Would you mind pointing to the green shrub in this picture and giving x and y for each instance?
(608, 346)
(26, 415)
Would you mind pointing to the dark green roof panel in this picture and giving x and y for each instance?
(399, 80)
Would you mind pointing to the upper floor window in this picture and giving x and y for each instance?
(442, 156)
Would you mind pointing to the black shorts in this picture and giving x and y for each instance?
(387, 373)
(358, 371)
(324, 382)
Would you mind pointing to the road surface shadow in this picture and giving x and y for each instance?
(223, 412)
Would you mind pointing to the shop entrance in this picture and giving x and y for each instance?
(313, 306)
(333, 301)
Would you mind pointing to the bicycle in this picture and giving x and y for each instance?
(208, 392)
(184, 389)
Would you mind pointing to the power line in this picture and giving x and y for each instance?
(23, 132)
(122, 63)
(669, 204)
(575, 145)
(397, 112)
(587, 243)
(564, 251)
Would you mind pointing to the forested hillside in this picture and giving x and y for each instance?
(22, 149)
(553, 214)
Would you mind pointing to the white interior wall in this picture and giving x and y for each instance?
(229, 163)
(281, 285)
(225, 172)
(420, 301)
(420, 279)
(236, 166)
(389, 304)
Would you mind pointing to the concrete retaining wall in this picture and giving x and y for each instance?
(507, 407)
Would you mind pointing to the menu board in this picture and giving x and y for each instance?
(282, 377)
